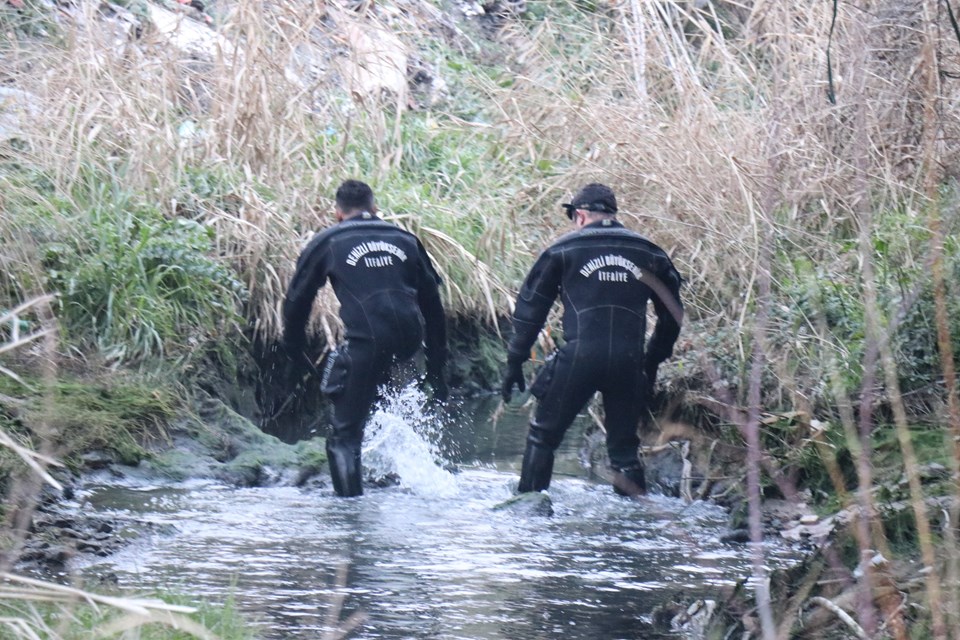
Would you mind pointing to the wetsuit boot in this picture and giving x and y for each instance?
(630, 482)
(345, 470)
(537, 468)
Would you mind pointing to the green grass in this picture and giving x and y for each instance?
(117, 414)
(81, 621)
(132, 284)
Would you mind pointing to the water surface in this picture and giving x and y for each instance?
(430, 558)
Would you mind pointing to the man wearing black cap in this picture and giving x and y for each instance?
(389, 297)
(605, 275)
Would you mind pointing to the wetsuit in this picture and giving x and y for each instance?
(604, 275)
(389, 293)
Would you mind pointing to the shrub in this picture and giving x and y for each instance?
(133, 283)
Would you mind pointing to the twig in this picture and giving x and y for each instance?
(842, 615)
(51, 590)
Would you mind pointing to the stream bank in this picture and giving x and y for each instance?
(210, 444)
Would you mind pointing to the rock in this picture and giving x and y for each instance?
(377, 63)
(91, 546)
(259, 467)
(98, 459)
(190, 36)
(933, 472)
(311, 459)
(693, 621)
(664, 613)
(736, 536)
(739, 514)
(527, 504)
(46, 555)
(185, 460)
(226, 446)
(16, 107)
(817, 532)
(665, 470)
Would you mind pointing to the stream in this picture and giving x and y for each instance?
(429, 557)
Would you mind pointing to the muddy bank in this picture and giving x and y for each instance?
(209, 442)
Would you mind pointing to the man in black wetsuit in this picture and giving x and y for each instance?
(605, 275)
(389, 293)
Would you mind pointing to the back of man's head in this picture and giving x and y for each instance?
(596, 197)
(354, 195)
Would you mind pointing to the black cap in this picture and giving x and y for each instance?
(593, 197)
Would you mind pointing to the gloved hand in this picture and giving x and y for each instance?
(438, 386)
(650, 373)
(294, 366)
(435, 379)
(513, 376)
(278, 384)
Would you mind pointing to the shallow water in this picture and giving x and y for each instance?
(429, 558)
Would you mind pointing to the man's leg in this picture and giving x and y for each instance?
(622, 406)
(561, 400)
(351, 408)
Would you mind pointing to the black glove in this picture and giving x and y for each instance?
(295, 367)
(435, 378)
(278, 384)
(513, 376)
(438, 386)
(650, 378)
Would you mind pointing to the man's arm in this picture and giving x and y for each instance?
(669, 310)
(309, 276)
(536, 297)
(428, 298)
(537, 294)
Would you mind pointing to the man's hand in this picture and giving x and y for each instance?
(438, 386)
(295, 367)
(435, 377)
(650, 372)
(513, 376)
(278, 384)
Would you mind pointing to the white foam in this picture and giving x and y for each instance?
(401, 439)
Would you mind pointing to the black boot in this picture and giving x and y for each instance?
(537, 468)
(344, 461)
(630, 482)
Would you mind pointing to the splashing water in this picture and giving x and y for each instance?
(401, 439)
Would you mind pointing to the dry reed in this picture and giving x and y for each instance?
(673, 104)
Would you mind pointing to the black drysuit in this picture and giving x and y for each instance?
(605, 275)
(389, 293)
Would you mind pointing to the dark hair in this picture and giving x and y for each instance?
(354, 195)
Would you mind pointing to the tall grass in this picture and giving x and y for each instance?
(802, 223)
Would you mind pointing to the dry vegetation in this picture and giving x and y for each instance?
(812, 212)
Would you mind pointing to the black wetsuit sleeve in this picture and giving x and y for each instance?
(428, 297)
(537, 295)
(669, 310)
(310, 275)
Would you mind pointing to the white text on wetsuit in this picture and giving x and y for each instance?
(611, 261)
(375, 246)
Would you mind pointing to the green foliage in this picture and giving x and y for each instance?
(131, 282)
(207, 188)
(800, 451)
(116, 415)
(33, 19)
(81, 621)
(311, 455)
(820, 309)
(477, 354)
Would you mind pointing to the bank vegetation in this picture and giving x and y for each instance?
(161, 168)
